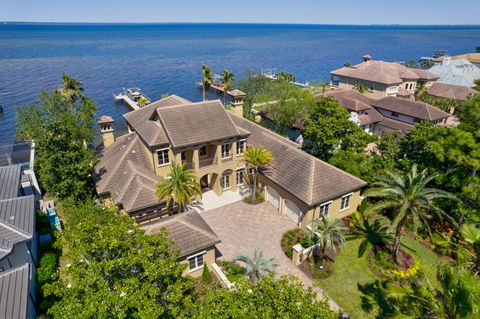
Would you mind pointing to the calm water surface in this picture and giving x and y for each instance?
(166, 58)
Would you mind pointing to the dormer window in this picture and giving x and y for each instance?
(226, 150)
(240, 147)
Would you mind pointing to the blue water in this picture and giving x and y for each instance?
(166, 58)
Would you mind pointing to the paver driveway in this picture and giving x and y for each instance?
(242, 228)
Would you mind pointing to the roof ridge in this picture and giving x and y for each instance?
(14, 229)
(312, 177)
(196, 228)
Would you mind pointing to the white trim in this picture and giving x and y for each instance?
(236, 172)
(244, 145)
(197, 254)
(341, 202)
(168, 155)
(229, 150)
(349, 194)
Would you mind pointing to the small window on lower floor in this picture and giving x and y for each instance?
(240, 176)
(195, 262)
(225, 181)
(345, 202)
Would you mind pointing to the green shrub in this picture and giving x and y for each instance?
(47, 270)
(248, 199)
(290, 238)
(43, 224)
(206, 276)
(233, 271)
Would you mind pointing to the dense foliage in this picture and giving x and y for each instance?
(268, 298)
(329, 129)
(61, 124)
(115, 270)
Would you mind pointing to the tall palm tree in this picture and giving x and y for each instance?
(327, 232)
(227, 80)
(71, 89)
(207, 80)
(409, 197)
(372, 232)
(471, 234)
(257, 266)
(179, 186)
(256, 158)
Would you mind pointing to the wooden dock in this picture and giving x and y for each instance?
(128, 101)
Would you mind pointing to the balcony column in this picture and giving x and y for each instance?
(233, 150)
(196, 161)
(218, 153)
(178, 158)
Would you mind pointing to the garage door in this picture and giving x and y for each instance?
(273, 197)
(292, 211)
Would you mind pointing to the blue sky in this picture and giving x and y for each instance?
(265, 11)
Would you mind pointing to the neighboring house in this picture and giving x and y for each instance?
(293, 133)
(473, 58)
(385, 115)
(450, 92)
(382, 78)
(18, 244)
(192, 236)
(211, 141)
(456, 72)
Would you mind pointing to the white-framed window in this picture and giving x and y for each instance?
(240, 147)
(226, 150)
(324, 209)
(240, 176)
(162, 156)
(195, 261)
(202, 151)
(345, 202)
(225, 181)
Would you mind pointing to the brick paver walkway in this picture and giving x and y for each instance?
(243, 228)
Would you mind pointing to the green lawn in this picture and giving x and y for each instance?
(352, 276)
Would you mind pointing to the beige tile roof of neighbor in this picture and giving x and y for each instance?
(371, 116)
(411, 108)
(126, 172)
(309, 179)
(189, 232)
(396, 125)
(471, 57)
(350, 99)
(383, 72)
(197, 123)
(150, 130)
(449, 91)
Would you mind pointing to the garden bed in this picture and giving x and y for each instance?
(383, 265)
(260, 199)
(317, 270)
(232, 270)
(293, 237)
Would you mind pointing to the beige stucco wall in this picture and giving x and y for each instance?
(309, 213)
(379, 90)
(208, 259)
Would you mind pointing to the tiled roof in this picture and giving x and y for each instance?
(9, 181)
(189, 232)
(196, 123)
(456, 72)
(126, 172)
(309, 179)
(150, 130)
(14, 286)
(395, 124)
(449, 91)
(470, 57)
(383, 72)
(351, 99)
(411, 108)
(370, 116)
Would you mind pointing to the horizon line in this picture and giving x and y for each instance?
(244, 23)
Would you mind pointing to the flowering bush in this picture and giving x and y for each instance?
(407, 273)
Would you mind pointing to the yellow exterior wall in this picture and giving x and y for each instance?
(379, 90)
(208, 259)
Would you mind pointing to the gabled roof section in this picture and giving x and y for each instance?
(370, 116)
(309, 179)
(14, 293)
(388, 73)
(411, 108)
(189, 231)
(126, 172)
(196, 123)
(17, 214)
(9, 181)
(350, 99)
(449, 91)
(143, 122)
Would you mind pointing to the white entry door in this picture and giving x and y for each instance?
(273, 197)
(292, 211)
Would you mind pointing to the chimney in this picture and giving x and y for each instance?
(106, 129)
(237, 102)
(367, 58)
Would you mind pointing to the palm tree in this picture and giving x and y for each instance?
(471, 234)
(179, 186)
(360, 87)
(373, 233)
(207, 80)
(258, 266)
(457, 298)
(71, 89)
(256, 158)
(409, 197)
(327, 232)
(227, 80)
